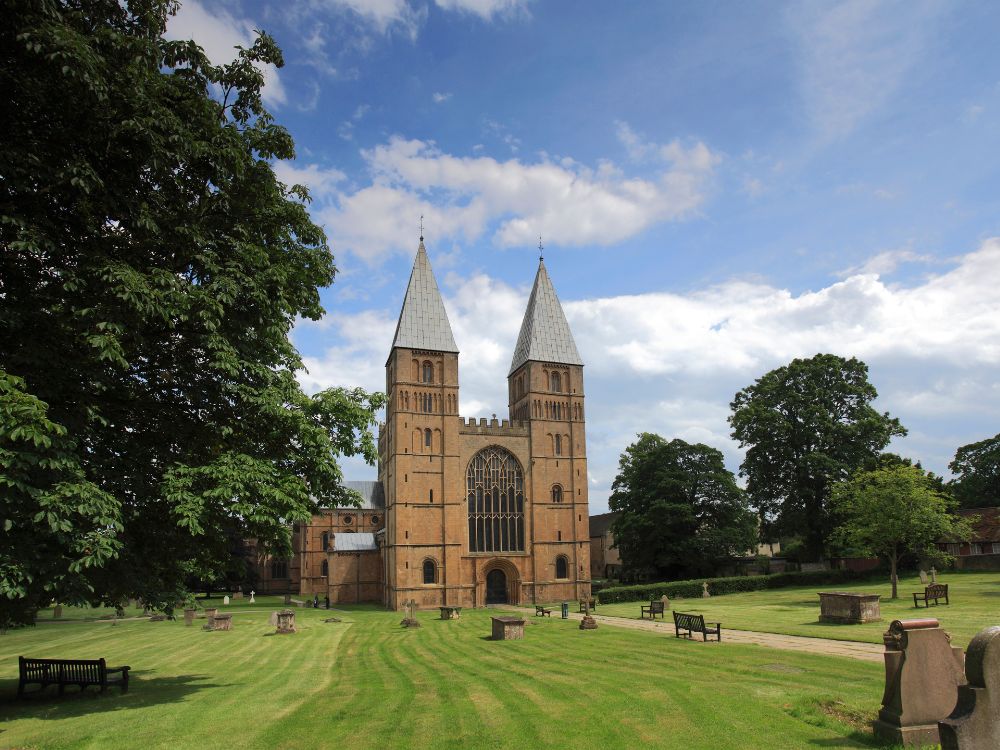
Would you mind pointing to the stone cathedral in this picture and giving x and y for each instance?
(465, 512)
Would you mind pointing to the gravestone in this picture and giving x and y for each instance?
(849, 608)
(923, 577)
(189, 614)
(666, 602)
(225, 600)
(508, 629)
(237, 595)
(975, 722)
(410, 618)
(933, 575)
(274, 618)
(210, 613)
(451, 613)
(704, 590)
(922, 675)
(588, 622)
(286, 621)
(288, 598)
(252, 601)
(222, 622)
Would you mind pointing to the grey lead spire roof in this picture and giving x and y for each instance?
(423, 322)
(545, 334)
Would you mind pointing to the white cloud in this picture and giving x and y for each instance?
(855, 54)
(441, 98)
(319, 181)
(383, 15)
(219, 33)
(485, 9)
(670, 363)
(514, 201)
(886, 262)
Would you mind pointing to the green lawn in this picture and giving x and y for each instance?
(975, 604)
(366, 682)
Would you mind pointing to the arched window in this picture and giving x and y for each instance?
(558, 445)
(556, 383)
(562, 567)
(326, 542)
(556, 493)
(428, 373)
(430, 571)
(495, 495)
(325, 568)
(279, 569)
(427, 438)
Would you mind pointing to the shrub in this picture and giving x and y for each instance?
(718, 586)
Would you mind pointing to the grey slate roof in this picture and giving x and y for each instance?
(371, 492)
(423, 322)
(354, 541)
(545, 334)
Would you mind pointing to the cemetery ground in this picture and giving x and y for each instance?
(975, 604)
(366, 682)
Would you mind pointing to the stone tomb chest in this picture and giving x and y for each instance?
(508, 628)
(848, 608)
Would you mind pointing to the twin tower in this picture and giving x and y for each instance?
(483, 512)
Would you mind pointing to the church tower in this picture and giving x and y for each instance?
(419, 448)
(545, 387)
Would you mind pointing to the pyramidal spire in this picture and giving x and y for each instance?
(545, 334)
(423, 322)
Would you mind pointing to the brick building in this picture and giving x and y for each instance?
(464, 512)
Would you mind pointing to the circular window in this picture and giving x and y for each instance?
(375, 519)
(348, 520)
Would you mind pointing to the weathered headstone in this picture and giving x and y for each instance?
(666, 602)
(222, 622)
(210, 613)
(274, 618)
(285, 621)
(934, 575)
(189, 614)
(704, 590)
(410, 618)
(923, 577)
(251, 598)
(237, 595)
(225, 600)
(975, 722)
(922, 675)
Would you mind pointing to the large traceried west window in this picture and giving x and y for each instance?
(495, 492)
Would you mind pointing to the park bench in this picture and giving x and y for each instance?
(654, 609)
(591, 602)
(63, 672)
(695, 624)
(935, 591)
(541, 611)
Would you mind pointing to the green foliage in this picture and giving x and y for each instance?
(894, 511)
(806, 426)
(977, 466)
(718, 586)
(680, 511)
(151, 268)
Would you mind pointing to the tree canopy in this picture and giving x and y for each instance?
(806, 426)
(151, 269)
(891, 512)
(977, 470)
(680, 511)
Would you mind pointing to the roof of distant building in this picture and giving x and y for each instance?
(423, 322)
(354, 541)
(988, 527)
(601, 524)
(545, 334)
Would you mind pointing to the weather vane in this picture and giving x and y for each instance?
(540, 248)
(421, 227)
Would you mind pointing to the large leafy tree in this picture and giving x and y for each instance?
(680, 511)
(151, 268)
(977, 470)
(806, 426)
(895, 511)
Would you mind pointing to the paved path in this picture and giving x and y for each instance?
(852, 649)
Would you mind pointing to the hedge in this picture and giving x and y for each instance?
(717, 586)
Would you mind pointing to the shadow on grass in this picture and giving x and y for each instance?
(143, 691)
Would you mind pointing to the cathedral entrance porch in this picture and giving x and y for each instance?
(496, 587)
(499, 583)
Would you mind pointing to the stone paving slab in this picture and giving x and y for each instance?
(852, 649)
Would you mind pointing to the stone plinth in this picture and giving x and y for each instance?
(847, 608)
(222, 622)
(285, 621)
(210, 613)
(975, 722)
(508, 629)
(451, 613)
(588, 623)
(189, 616)
(922, 675)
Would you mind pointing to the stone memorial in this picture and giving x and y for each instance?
(189, 613)
(666, 602)
(847, 608)
(210, 615)
(222, 622)
(451, 613)
(922, 674)
(274, 619)
(285, 621)
(225, 600)
(704, 590)
(933, 575)
(237, 595)
(252, 601)
(588, 622)
(975, 722)
(923, 577)
(508, 629)
(410, 617)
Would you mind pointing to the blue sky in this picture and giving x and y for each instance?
(720, 186)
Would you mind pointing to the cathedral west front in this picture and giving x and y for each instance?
(465, 512)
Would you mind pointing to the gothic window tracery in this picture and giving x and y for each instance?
(495, 496)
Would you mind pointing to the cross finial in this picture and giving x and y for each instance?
(540, 248)
(421, 227)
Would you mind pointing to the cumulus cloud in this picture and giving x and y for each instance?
(511, 201)
(218, 33)
(441, 98)
(670, 363)
(485, 9)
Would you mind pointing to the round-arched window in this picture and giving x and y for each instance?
(556, 383)
(430, 571)
(495, 495)
(428, 373)
(562, 567)
(556, 493)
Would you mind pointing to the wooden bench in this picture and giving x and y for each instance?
(935, 591)
(591, 602)
(541, 611)
(63, 672)
(654, 609)
(695, 624)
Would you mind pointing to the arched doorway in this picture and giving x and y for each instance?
(496, 587)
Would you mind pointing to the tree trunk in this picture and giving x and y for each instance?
(892, 571)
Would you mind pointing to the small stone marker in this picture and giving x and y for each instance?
(274, 618)
(933, 575)
(237, 595)
(222, 622)
(588, 622)
(922, 675)
(286, 621)
(451, 613)
(189, 616)
(975, 722)
(210, 613)
(704, 590)
(923, 577)
(225, 600)
(251, 598)
(666, 602)
(410, 619)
